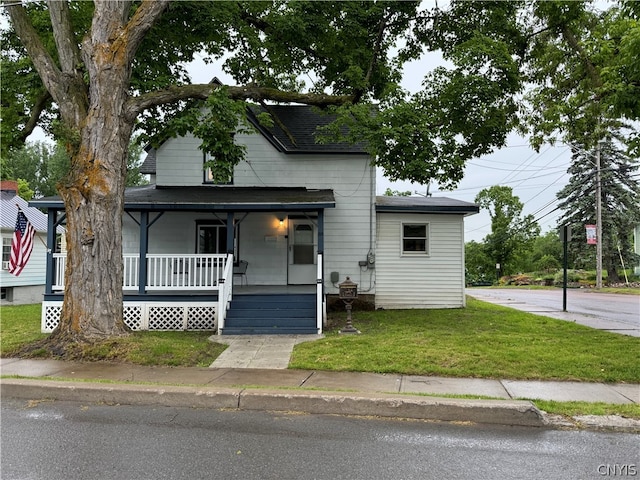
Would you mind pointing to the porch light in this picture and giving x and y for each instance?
(348, 292)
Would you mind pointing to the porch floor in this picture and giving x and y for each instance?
(237, 290)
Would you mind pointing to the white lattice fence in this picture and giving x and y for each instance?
(149, 316)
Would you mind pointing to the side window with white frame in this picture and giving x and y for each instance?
(415, 238)
(6, 252)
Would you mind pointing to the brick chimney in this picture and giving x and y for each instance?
(9, 186)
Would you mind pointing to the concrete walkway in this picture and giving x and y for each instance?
(319, 392)
(619, 393)
(258, 351)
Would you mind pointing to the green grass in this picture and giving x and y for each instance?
(20, 326)
(571, 409)
(482, 340)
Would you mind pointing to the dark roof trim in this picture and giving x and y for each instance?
(207, 199)
(436, 205)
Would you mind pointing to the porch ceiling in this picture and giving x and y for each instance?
(209, 198)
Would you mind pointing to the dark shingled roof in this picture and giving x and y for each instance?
(301, 123)
(386, 204)
(149, 164)
(209, 198)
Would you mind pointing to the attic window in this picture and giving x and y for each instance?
(415, 238)
(208, 174)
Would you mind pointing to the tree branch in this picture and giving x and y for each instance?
(374, 58)
(41, 103)
(42, 61)
(143, 19)
(68, 50)
(137, 105)
(588, 64)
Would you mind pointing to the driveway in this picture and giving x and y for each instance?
(604, 311)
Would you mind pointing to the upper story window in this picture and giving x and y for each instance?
(415, 238)
(210, 178)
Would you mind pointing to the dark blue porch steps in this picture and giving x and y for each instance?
(271, 315)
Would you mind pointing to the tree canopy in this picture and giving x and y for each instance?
(91, 73)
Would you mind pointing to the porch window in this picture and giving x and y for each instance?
(211, 237)
(415, 238)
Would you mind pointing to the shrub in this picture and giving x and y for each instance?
(573, 277)
(547, 263)
(519, 279)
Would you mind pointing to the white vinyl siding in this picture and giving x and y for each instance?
(418, 280)
(348, 234)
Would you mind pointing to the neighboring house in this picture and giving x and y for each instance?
(261, 253)
(28, 287)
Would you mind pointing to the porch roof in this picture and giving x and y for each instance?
(210, 198)
(387, 204)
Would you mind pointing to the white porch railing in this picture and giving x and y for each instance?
(164, 271)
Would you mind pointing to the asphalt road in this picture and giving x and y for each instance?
(57, 440)
(605, 311)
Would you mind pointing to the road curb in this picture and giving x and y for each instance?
(503, 412)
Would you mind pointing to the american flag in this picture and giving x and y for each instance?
(21, 244)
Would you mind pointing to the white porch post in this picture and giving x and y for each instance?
(320, 274)
(144, 248)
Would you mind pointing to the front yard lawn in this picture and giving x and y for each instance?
(20, 326)
(482, 340)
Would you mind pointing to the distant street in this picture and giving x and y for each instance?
(605, 311)
(59, 440)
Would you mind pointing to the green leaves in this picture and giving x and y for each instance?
(510, 233)
(221, 118)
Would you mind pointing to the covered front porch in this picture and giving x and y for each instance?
(184, 254)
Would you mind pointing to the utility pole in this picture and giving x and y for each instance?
(598, 220)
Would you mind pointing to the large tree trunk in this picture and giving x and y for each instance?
(94, 200)
(93, 193)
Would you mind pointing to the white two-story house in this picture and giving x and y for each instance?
(261, 253)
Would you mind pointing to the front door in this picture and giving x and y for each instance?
(303, 240)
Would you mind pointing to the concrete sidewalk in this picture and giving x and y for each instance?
(305, 390)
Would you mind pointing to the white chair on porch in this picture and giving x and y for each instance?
(241, 271)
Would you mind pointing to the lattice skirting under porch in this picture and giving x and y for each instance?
(149, 316)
